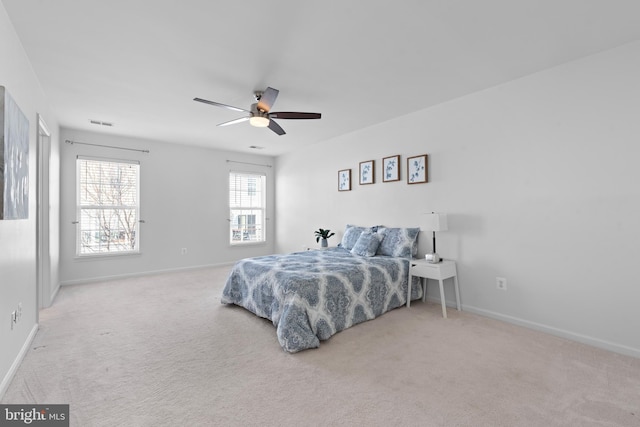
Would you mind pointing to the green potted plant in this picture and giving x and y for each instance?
(324, 235)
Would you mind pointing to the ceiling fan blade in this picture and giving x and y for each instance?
(217, 104)
(276, 127)
(294, 115)
(233, 122)
(267, 99)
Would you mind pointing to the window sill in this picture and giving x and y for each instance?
(105, 256)
(242, 245)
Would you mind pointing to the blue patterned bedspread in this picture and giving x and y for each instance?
(309, 296)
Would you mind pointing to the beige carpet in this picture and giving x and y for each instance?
(163, 351)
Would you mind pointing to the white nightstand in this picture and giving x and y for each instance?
(438, 271)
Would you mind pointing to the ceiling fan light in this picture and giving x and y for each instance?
(259, 121)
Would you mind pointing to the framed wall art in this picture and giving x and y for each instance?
(344, 180)
(391, 169)
(367, 173)
(417, 170)
(14, 159)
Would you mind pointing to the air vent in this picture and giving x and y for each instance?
(100, 123)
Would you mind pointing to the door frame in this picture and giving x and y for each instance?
(43, 252)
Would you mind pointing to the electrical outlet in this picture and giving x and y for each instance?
(501, 283)
(183, 251)
(13, 319)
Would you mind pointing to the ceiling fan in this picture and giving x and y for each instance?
(260, 114)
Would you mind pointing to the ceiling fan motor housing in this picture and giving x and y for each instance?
(257, 112)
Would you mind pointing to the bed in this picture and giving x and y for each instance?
(310, 296)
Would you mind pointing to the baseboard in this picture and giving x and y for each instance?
(584, 339)
(140, 274)
(16, 363)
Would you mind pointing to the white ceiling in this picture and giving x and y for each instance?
(139, 63)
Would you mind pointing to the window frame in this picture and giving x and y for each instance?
(262, 209)
(80, 232)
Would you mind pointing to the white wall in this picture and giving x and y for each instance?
(18, 238)
(184, 203)
(540, 179)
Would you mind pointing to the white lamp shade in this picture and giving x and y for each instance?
(434, 222)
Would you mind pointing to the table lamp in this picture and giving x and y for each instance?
(434, 222)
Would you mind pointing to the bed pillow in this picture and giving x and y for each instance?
(367, 244)
(399, 242)
(350, 237)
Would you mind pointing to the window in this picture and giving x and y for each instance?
(247, 207)
(108, 208)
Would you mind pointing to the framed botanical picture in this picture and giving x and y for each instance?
(417, 169)
(367, 175)
(391, 169)
(344, 180)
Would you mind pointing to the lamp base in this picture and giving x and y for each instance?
(432, 258)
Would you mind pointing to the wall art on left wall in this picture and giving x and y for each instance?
(14, 159)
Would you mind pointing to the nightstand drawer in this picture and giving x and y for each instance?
(439, 270)
(429, 271)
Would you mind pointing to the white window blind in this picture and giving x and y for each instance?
(107, 206)
(247, 207)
